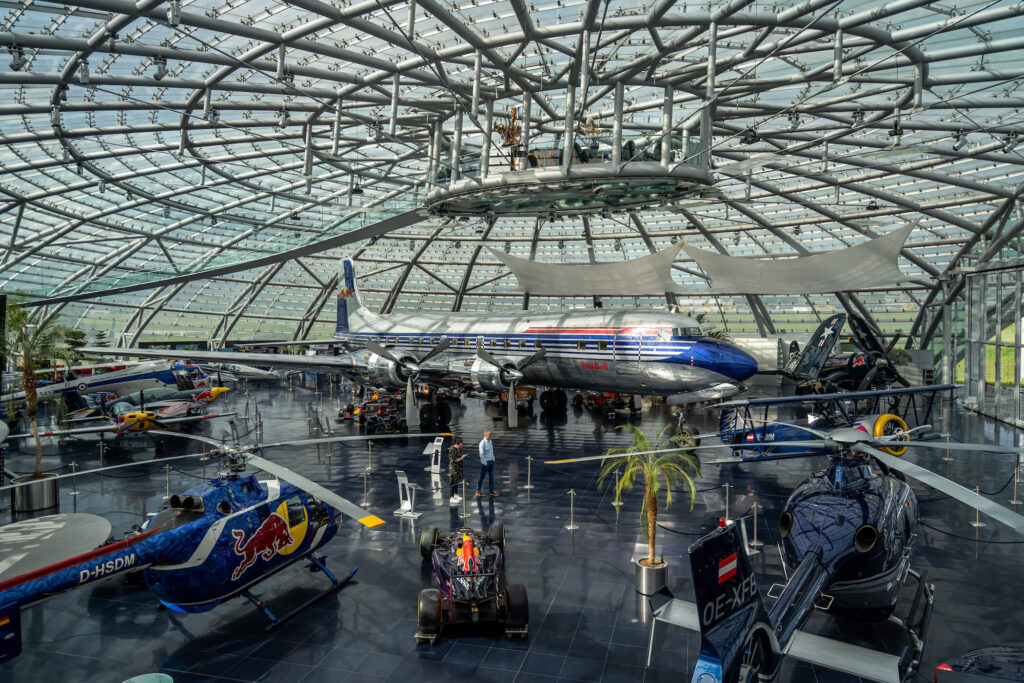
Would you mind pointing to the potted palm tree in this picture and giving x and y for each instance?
(659, 462)
(30, 345)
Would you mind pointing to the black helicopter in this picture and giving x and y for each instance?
(848, 537)
(817, 370)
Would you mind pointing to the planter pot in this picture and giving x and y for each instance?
(41, 494)
(650, 579)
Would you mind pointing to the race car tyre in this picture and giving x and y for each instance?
(561, 399)
(429, 612)
(427, 415)
(517, 605)
(496, 534)
(428, 541)
(444, 414)
(403, 426)
(547, 401)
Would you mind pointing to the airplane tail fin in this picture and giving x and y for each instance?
(818, 348)
(733, 621)
(348, 296)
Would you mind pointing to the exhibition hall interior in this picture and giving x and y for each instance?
(524, 341)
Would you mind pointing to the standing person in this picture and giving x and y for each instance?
(455, 458)
(486, 464)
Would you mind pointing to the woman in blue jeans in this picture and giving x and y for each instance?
(486, 464)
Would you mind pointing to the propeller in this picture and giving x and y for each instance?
(512, 374)
(411, 369)
(867, 341)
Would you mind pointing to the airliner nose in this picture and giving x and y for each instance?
(739, 365)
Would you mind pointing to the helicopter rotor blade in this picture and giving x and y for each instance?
(942, 445)
(98, 470)
(626, 455)
(182, 435)
(333, 499)
(943, 485)
(335, 439)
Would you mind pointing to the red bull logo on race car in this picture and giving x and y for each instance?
(272, 536)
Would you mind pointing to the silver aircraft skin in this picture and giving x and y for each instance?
(633, 351)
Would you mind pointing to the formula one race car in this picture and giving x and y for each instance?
(469, 584)
(997, 663)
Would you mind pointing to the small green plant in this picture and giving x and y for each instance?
(653, 460)
(101, 339)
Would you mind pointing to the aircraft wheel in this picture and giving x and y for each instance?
(427, 415)
(444, 413)
(428, 612)
(428, 541)
(517, 606)
(547, 400)
(496, 534)
(561, 400)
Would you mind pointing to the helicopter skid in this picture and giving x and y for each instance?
(317, 564)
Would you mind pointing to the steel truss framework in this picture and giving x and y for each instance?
(148, 139)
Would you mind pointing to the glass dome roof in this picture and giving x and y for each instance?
(207, 163)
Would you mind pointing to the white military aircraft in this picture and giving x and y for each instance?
(616, 350)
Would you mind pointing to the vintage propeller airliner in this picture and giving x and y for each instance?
(616, 350)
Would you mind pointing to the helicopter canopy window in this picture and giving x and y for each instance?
(687, 332)
(183, 380)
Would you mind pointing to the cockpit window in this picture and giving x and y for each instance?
(687, 332)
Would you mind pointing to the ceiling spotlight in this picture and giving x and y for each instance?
(561, 244)
(797, 230)
(551, 216)
(872, 205)
(736, 239)
(161, 68)
(55, 117)
(356, 189)
(1009, 142)
(794, 121)
(83, 71)
(458, 245)
(283, 119)
(213, 117)
(102, 186)
(896, 131)
(173, 13)
(750, 135)
(858, 118)
(508, 246)
(618, 245)
(18, 60)
(959, 138)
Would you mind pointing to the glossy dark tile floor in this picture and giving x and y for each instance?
(586, 622)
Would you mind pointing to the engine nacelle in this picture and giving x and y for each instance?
(384, 373)
(885, 426)
(486, 377)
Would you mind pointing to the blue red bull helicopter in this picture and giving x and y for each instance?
(848, 534)
(211, 543)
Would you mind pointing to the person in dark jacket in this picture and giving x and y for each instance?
(455, 458)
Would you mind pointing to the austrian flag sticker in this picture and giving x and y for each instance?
(727, 568)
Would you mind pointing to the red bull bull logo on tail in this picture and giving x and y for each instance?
(265, 542)
(345, 292)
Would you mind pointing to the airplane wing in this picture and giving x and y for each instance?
(836, 655)
(343, 363)
(838, 396)
(820, 346)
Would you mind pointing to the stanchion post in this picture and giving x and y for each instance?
(167, 482)
(366, 502)
(615, 501)
(977, 523)
(1016, 482)
(727, 485)
(74, 480)
(572, 525)
(947, 457)
(465, 512)
(369, 456)
(756, 543)
(529, 484)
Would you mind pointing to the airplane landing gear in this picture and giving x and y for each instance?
(553, 400)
